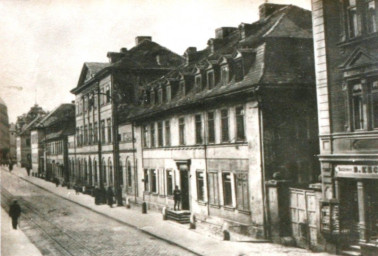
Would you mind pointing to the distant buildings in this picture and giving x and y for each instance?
(4, 132)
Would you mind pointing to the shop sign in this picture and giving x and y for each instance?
(354, 170)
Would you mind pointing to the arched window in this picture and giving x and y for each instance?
(129, 174)
(95, 171)
(110, 172)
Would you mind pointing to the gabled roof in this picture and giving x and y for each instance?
(358, 58)
(62, 114)
(89, 70)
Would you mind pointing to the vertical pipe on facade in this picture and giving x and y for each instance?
(99, 137)
(134, 164)
(263, 187)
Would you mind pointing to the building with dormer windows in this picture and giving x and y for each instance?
(236, 114)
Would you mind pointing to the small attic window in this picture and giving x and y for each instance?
(160, 95)
(198, 82)
(152, 97)
(225, 74)
(168, 93)
(182, 87)
(210, 79)
(239, 70)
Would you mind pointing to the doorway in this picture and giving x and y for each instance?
(349, 217)
(184, 180)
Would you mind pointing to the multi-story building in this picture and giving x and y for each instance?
(102, 87)
(236, 114)
(346, 54)
(52, 134)
(36, 147)
(4, 132)
(25, 124)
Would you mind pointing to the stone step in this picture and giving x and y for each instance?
(182, 217)
(350, 253)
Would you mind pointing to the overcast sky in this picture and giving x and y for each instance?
(44, 43)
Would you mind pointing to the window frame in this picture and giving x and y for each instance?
(200, 185)
(225, 136)
(210, 82)
(227, 186)
(167, 133)
(181, 124)
(170, 173)
(240, 137)
(160, 135)
(198, 128)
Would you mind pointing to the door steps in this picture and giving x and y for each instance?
(352, 250)
(182, 217)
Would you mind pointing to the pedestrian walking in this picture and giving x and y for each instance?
(110, 196)
(177, 198)
(14, 213)
(28, 170)
(10, 165)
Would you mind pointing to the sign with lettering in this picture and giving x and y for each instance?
(361, 171)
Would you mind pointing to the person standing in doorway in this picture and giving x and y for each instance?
(177, 198)
(14, 213)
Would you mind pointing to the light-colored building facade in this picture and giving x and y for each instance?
(239, 113)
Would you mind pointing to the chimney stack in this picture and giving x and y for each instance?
(140, 39)
(190, 54)
(223, 32)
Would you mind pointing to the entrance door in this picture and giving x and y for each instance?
(372, 210)
(349, 208)
(184, 177)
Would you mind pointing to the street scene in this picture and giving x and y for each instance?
(251, 128)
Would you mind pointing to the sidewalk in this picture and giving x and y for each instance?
(14, 242)
(172, 232)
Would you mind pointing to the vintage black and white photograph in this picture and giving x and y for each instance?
(189, 127)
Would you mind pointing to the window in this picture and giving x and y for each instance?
(239, 72)
(95, 171)
(182, 131)
(152, 97)
(146, 181)
(145, 136)
(109, 123)
(374, 99)
(371, 22)
(153, 176)
(95, 132)
(90, 134)
(240, 133)
(224, 123)
(167, 133)
(160, 134)
(129, 174)
(85, 134)
(199, 138)
(358, 108)
(168, 93)
(210, 127)
(200, 186)
(28, 142)
(169, 182)
(160, 95)
(242, 198)
(85, 103)
(110, 172)
(81, 135)
(198, 83)
(95, 100)
(225, 75)
(210, 80)
(227, 189)
(152, 134)
(182, 87)
(121, 173)
(102, 100)
(213, 188)
(107, 92)
(353, 19)
(103, 131)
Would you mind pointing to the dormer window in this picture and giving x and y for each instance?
(152, 97)
(225, 74)
(168, 93)
(210, 79)
(160, 95)
(198, 82)
(239, 71)
(182, 87)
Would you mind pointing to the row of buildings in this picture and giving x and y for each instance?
(7, 136)
(237, 126)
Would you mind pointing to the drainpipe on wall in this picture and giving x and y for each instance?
(262, 158)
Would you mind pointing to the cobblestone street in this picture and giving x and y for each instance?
(59, 227)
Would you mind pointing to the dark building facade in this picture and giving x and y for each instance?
(346, 56)
(4, 132)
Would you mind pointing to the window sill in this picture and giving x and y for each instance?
(229, 208)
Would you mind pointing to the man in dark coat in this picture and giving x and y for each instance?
(177, 198)
(110, 196)
(10, 165)
(14, 213)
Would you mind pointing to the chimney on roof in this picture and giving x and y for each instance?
(214, 44)
(116, 56)
(223, 32)
(267, 9)
(140, 39)
(190, 54)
